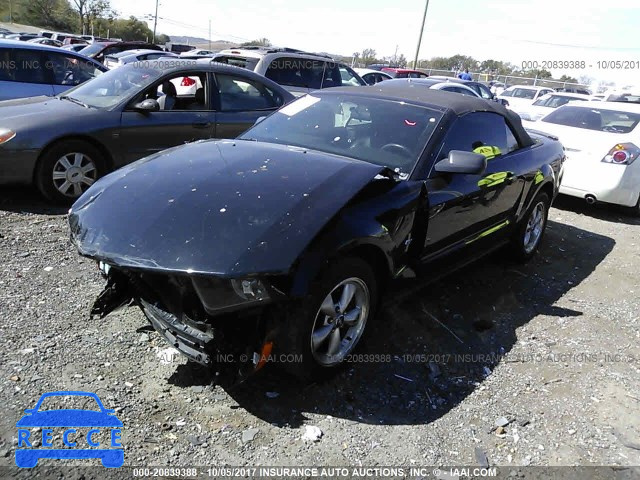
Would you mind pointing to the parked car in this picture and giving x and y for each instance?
(520, 96)
(547, 103)
(581, 91)
(432, 84)
(92, 39)
(28, 78)
(63, 144)
(480, 88)
(403, 72)
(99, 50)
(45, 41)
(307, 216)
(74, 48)
(372, 76)
(602, 142)
(129, 56)
(23, 37)
(199, 52)
(299, 72)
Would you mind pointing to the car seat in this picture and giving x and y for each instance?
(168, 100)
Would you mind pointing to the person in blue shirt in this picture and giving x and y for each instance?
(465, 75)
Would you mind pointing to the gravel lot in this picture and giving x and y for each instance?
(551, 346)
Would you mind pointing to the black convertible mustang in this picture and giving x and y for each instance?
(283, 239)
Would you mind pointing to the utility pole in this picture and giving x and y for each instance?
(209, 34)
(10, 11)
(155, 23)
(424, 18)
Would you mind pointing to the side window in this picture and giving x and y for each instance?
(484, 92)
(23, 66)
(68, 70)
(296, 72)
(480, 132)
(348, 77)
(186, 91)
(242, 94)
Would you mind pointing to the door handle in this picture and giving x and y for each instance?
(201, 124)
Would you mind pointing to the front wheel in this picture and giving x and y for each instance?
(68, 169)
(327, 328)
(529, 233)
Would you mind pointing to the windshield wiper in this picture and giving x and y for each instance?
(74, 100)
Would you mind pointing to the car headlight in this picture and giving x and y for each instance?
(6, 135)
(222, 295)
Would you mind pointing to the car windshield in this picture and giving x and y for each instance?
(555, 101)
(383, 132)
(612, 121)
(110, 88)
(92, 49)
(526, 93)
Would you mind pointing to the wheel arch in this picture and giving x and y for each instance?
(108, 157)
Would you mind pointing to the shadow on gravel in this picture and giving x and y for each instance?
(26, 199)
(608, 213)
(432, 344)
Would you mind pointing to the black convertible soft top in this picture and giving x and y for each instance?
(413, 91)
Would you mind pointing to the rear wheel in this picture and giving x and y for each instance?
(327, 328)
(530, 232)
(68, 169)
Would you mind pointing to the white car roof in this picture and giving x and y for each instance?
(364, 71)
(529, 87)
(617, 106)
(439, 86)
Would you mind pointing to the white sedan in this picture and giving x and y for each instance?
(520, 96)
(372, 76)
(545, 104)
(602, 146)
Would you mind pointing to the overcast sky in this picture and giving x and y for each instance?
(511, 30)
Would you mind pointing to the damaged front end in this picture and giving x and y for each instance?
(205, 239)
(219, 323)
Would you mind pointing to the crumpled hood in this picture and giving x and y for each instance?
(216, 207)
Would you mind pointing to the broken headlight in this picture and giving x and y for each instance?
(221, 295)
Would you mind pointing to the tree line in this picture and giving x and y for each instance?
(90, 17)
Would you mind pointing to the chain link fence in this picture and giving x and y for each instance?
(506, 79)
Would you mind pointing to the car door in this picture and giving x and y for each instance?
(464, 206)
(22, 74)
(182, 118)
(239, 102)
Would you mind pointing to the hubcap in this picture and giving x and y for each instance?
(73, 174)
(534, 229)
(340, 322)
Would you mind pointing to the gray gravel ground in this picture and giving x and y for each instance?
(548, 350)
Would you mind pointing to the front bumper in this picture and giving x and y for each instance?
(191, 342)
(17, 166)
(616, 184)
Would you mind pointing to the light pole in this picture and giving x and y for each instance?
(209, 34)
(155, 23)
(424, 18)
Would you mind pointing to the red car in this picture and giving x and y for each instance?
(404, 73)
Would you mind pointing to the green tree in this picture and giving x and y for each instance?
(261, 42)
(52, 14)
(368, 56)
(161, 38)
(537, 73)
(568, 79)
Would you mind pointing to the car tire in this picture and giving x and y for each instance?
(68, 168)
(319, 333)
(530, 232)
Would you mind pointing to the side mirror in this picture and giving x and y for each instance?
(148, 105)
(259, 120)
(462, 162)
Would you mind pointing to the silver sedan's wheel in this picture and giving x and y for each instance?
(73, 174)
(340, 322)
(535, 227)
